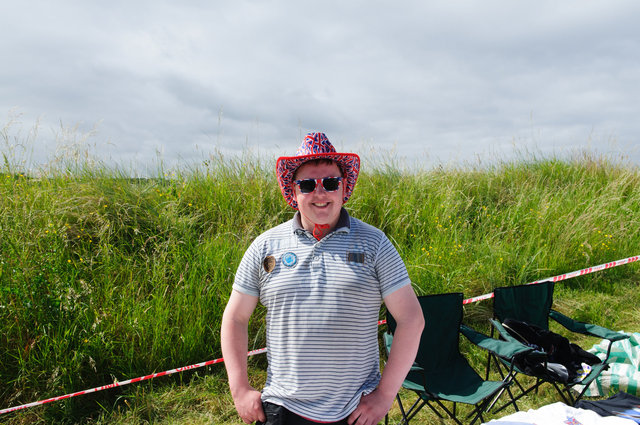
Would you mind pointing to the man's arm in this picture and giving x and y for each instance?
(405, 309)
(234, 342)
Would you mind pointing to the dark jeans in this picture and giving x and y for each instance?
(278, 415)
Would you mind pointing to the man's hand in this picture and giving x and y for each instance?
(249, 405)
(371, 409)
(405, 308)
(234, 336)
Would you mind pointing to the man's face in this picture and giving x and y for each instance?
(319, 206)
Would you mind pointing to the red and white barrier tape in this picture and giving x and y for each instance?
(264, 350)
(563, 276)
(123, 383)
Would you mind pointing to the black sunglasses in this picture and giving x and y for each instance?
(330, 184)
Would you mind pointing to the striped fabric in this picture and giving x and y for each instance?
(323, 301)
(624, 368)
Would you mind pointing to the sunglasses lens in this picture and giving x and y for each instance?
(331, 184)
(307, 186)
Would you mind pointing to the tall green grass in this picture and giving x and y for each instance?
(105, 277)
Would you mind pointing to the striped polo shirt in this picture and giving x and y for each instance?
(323, 301)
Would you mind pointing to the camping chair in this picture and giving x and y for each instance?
(440, 372)
(532, 304)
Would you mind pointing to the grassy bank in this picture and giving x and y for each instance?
(103, 277)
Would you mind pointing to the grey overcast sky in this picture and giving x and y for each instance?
(438, 82)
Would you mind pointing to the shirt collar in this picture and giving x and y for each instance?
(343, 225)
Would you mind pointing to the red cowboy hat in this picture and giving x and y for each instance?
(316, 146)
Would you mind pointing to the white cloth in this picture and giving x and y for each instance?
(559, 414)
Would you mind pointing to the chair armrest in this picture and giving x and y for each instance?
(505, 349)
(502, 331)
(388, 340)
(586, 328)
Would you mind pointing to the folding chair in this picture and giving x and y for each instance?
(440, 372)
(532, 304)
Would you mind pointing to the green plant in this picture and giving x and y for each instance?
(106, 277)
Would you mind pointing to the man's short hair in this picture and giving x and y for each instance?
(319, 161)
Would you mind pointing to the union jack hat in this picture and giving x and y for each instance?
(316, 146)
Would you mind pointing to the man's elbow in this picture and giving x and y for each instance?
(419, 325)
(413, 323)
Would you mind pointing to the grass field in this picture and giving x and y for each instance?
(104, 277)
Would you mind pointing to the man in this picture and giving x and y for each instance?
(322, 277)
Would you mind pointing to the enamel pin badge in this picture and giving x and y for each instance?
(269, 263)
(289, 259)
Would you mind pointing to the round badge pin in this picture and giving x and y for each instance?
(269, 263)
(289, 259)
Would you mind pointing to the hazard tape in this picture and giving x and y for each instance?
(123, 383)
(264, 350)
(563, 276)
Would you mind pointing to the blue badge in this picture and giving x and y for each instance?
(289, 259)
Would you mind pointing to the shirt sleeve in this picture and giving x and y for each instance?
(247, 279)
(392, 273)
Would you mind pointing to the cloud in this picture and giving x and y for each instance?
(444, 80)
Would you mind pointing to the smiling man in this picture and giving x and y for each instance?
(322, 277)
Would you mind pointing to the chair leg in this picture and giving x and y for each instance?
(405, 420)
(499, 366)
(420, 408)
(451, 413)
(407, 415)
(477, 411)
(486, 377)
(579, 396)
(434, 410)
(485, 406)
(522, 389)
(489, 355)
(513, 400)
(566, 395)
(488, 404)
(523, 393)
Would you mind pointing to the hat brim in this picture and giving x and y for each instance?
(286, 167)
